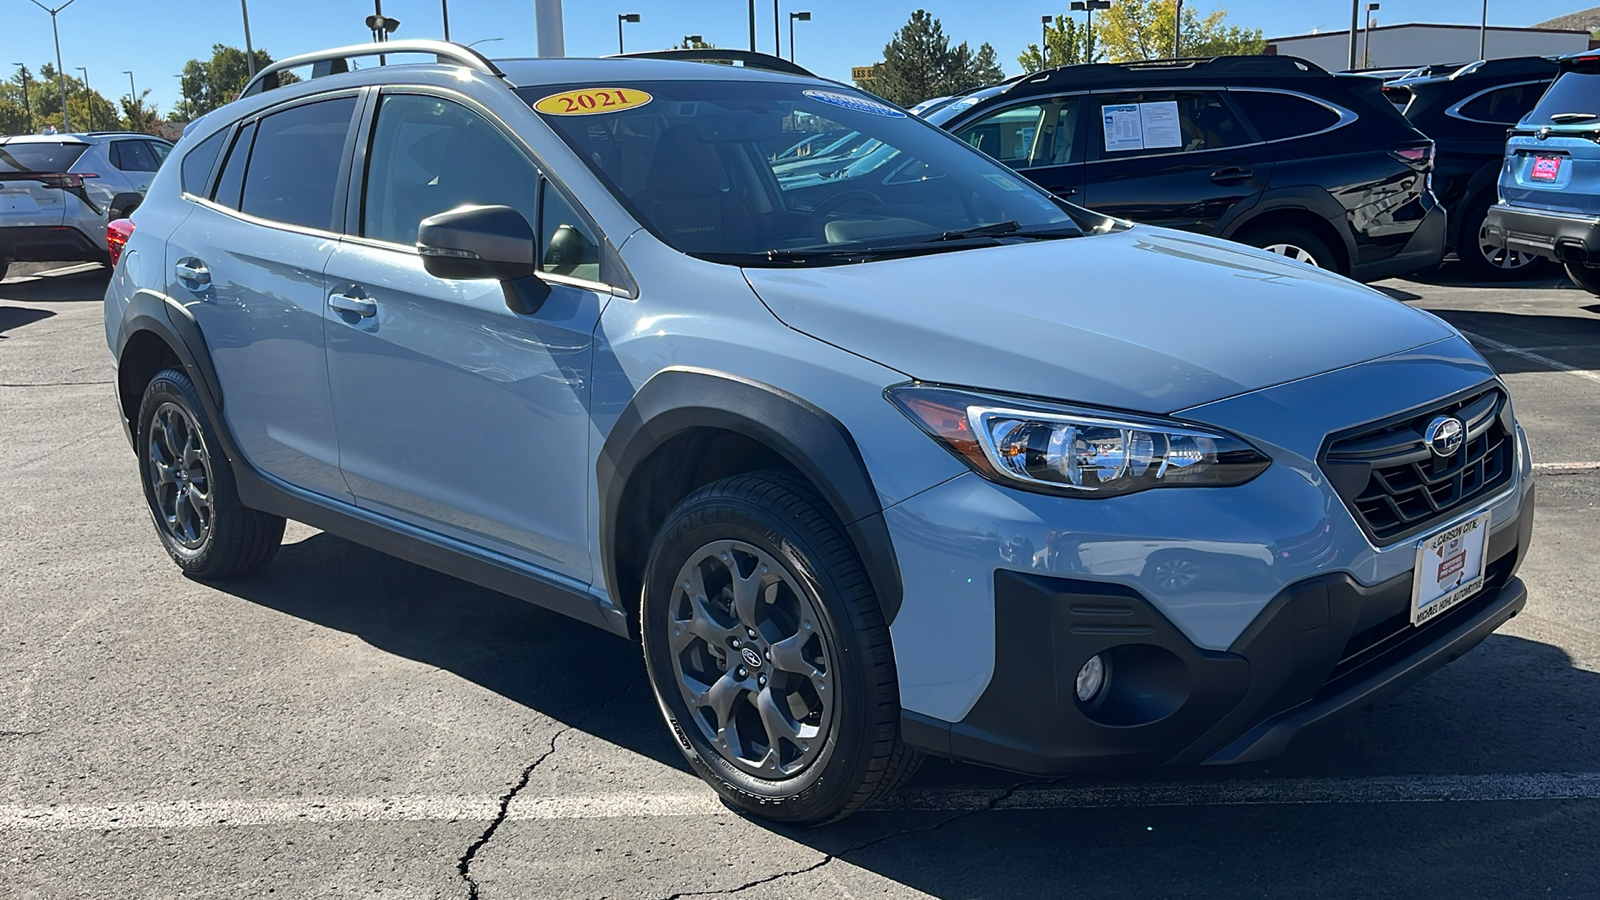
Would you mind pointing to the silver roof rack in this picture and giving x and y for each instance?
(442, 51)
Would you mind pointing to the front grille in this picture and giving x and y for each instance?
(1396, 487)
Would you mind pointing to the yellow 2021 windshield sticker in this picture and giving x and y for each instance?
(592, 101)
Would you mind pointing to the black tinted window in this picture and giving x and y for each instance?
(1504, 106)
(570, 247)
(231, 180)
(295, 162)
(133, 156)
(1574, 93)
(1279, 116)
(431, 155)
(1166, 122)
(39, 156)
(160, 149)
(198, 162)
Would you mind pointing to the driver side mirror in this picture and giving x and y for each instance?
(485, 242)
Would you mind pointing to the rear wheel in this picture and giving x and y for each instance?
(1296, 243)
(768, 652)
(1486, 259)
(190, 489)
(1586, 277)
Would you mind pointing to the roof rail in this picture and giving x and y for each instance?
(443, 52)
(1263, 66)
(1515, 65)
(749, 58)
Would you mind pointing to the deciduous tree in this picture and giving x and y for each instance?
(1133, 30)
(1067, 43)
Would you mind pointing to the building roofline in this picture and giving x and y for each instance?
(1345, 32)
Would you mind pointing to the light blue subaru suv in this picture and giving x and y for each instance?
(908, 459)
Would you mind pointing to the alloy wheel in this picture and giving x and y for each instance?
(752, 659)
(1299, 254)
(1502, 257)
(179, 468)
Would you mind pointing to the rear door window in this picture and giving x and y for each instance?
(160, 149)
(231, 181)
(1162, 122)
(197, 163)
(1279, 116)
(134, 156)
(1504, 106)
(39, 156)
(295, 162)
(1575, 94)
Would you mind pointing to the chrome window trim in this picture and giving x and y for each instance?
(1454, 112)
(257, 220)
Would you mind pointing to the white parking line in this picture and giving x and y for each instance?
(1561, 468)
(1259, 792)
(1530, 356)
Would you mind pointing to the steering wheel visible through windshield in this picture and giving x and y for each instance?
(786, 173)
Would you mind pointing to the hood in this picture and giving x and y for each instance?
(1146, 320)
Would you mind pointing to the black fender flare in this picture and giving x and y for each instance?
(1306, 198)
(121, 203)
(678, 400)
(174, 325)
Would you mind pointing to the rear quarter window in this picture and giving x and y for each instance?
(1281, 116)
(197, 163)
(1504, 106)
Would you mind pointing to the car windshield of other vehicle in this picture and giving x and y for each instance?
(39, 156)
(775, 173)
(1573, 100)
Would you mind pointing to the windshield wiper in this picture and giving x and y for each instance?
(996, 230)
(1564, 118)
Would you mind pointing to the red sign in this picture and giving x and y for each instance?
(1452, 566)
(1546, 168)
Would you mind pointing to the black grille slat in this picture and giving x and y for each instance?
(1397, 488)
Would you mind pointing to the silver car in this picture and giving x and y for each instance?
(58, 191)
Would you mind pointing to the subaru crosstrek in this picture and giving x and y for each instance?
(1550, 180)
(923, 461)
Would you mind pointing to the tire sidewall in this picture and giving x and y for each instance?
(172, 387)
(825, 783)
(1297, 237)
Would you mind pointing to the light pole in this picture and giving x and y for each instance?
(133, 95)
(1355, 30)
(88, 100)
(27, 105)
(752, 26)
(1483, 33)
(630, 18)
(1044, 42)
(795, 17)
(61, 77)
(1177, 30)
(777, 38)
(444, 7)
(1367, 59)
(249, 52)
(1089, 6)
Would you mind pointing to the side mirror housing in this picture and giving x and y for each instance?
(493, 242)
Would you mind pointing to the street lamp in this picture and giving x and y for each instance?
(133, 95)
(1177, 30)
(249, 52)
(484, 41)
(795, 17)
(88, 101)
(1483, 33)
(631, 19)
(61, 77)
(1355, 31)
(1089, 6)
(777, 39)
(27, 105)
(444, 6)
(1044, 42)
(1371, 8)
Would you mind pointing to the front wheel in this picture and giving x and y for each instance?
(1586, 277)
(1297, 244)
(769, 655)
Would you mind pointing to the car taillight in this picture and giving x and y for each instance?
(1417, 156)
(64, 179)
(117, 233)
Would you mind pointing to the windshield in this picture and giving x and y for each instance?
(39, 156)
(769, 173)
(1573, 100)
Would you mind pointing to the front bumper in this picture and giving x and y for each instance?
(1558, 236)
(1423, 251)
(1322, 646)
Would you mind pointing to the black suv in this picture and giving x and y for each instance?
(1467, 111)
(1267, 150)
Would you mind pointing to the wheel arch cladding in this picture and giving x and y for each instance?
(688, 427)
(152, 337)
(1300, 209)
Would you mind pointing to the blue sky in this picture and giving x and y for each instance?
(155, 37)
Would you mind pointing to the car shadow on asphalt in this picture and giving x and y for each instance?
(18, 317)
(78, 287)
(1573, 340)
(1550, 278)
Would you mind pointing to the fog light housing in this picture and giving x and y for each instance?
(1091, 678)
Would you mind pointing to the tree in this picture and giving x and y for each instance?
(209, 84)
(920, 63)
(136, 116)
(88, 109)
(1067, 42)
(1133, 30)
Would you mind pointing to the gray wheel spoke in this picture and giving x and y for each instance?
(179, 475)
(721, 697)
(746, 594)
(702, 622)
(788, 655)
(777, 725)
(163, 471)
(200, 504)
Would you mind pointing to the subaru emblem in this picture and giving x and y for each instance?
(1445, 436)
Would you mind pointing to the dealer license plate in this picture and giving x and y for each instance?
(1449, 568)
(1545, 168)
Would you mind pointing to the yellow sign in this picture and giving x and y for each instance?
(863, 73)
(592, 101)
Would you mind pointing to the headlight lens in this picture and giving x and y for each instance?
(1062, 449)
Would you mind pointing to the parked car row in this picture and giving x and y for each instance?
(59, 191)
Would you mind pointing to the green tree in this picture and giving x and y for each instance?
(1067, 43)
(920, 63)
(1133, 30)
(208, 84)
(89, 110)
(136, 116)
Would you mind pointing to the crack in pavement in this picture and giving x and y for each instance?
(827, 858)
(464, 865)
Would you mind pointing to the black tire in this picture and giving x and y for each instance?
(4, 264)
(1315, 250)
(762, 520)
(1586, 277)
(219, 537)
(1485, 261)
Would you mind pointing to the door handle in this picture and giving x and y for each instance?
(191, 269)
(356, 303)
(1063, 191)
(1232, 175)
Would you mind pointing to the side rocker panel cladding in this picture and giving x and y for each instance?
(676, 401)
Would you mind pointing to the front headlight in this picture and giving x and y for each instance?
(1062, 449)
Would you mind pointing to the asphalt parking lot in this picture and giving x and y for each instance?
(344, 724)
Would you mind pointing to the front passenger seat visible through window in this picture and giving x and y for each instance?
(683, 195)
